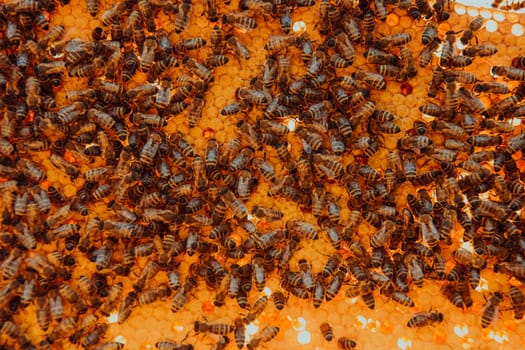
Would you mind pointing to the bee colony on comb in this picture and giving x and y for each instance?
(183, 174)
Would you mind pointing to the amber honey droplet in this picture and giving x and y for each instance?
(406, 89)
(208, 133)
(207, 307)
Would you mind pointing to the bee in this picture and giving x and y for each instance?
(344, 46)
(345, 343)
(316, 63)
(113, 13)
(285, 20)
(216, 61)
(490, 309)
(402, 299)
(215, 328)
(415, 268)
(244, 23)
(28, 291)
(518, 62)
(172, 345)
(263, 336)
(393, 40)
(268, 214)
(11, 264)
(279, 300)
(465, 257)
(511, 73)
(238, 48)
(198, 69)
(112, 345)
(480, 50)
(148, 53)
(427, 52)
(492, 87)
(42, 312)
(422, 319)
(333, 288)
(327, 331)
(256, 310)
(452, 294)
(302, 228)
(383, 235)
(131, 64)
(189, 44)
(94, 337)
(372, 80)
(518, 302)
(182, 17)
(474, 26)
(388, 70)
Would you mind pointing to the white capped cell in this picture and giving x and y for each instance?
(252, 328)
(112, 318)
(473, 11)
(460, 9)
(517, 29)
(483, 285)
(498, 16)
(299, 324)
(304, 337)
(120, 339)
(362, 321)
(404, 343)
(468, 246)
(491, 26)
(461, 330)
(292, 124)
(299, 27)
(485, 14)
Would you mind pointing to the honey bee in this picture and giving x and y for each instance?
(465, 257)
(474, 26)
(491, 87)
(372, 80)
(480, 50)
(451, 293)
(518, 302)
(263, 336)
(112, 345)
(167, 344)
(344, 46)
(345, 343)
(422, 319)
(112, 13)
(327, 331)
(131, 64)
(238, 48)
(42, 312)
(427, 52)
(215, 328)
(242, 22)
(491, 309)
(511, 73)
(393, 40)
(256, 310)
(183, 16)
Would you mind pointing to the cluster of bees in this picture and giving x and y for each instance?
(168, 201)
(507, 5)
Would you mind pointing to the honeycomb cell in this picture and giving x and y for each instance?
(491, 26)
(499, 16)
(517, 29)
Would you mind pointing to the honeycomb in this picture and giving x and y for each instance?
(299, 322)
